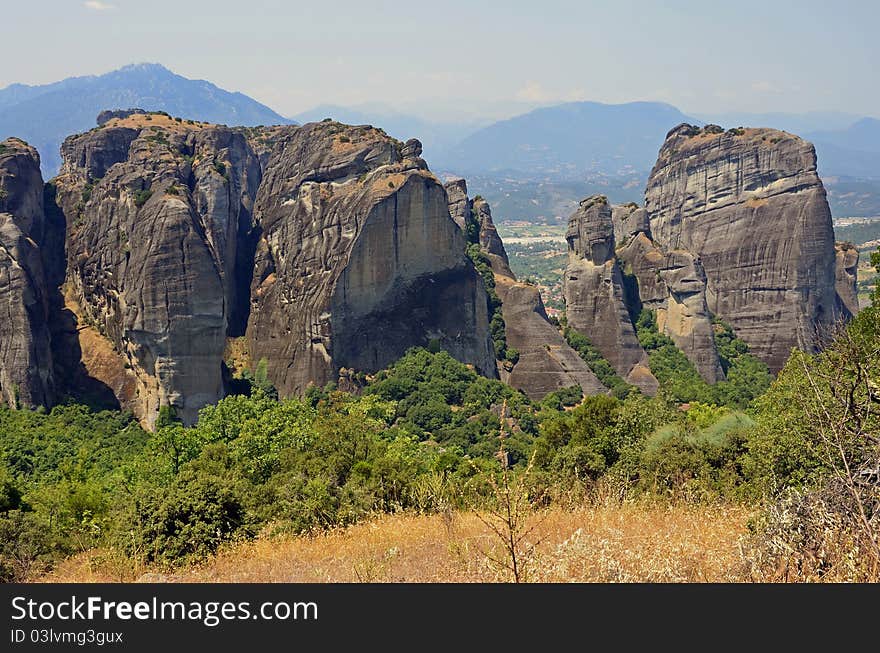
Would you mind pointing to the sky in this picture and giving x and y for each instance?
(454, 60)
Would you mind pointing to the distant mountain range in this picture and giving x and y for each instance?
(532, 164)
(436, 137)
(44, 115)
(853, 151)
(568, 141)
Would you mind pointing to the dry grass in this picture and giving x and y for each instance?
(142, 121)
(612, 543)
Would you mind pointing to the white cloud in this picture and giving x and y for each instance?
(764, 86)
(97, 5)
(532, 92)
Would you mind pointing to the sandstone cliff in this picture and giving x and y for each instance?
(154, 209)
(595, 296)
(749, 204)
(546, 362)
(26, 368)
(358, 260)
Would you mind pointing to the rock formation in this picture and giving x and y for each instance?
(26, 368)
(749, 204)
(546, 362)
(595, 296)
(673, 285)
(490, 241)
(628, 220)
(327, 250)
(459, 204)
(358, 260)
(154, 209)
(327, 247)
(846, 277)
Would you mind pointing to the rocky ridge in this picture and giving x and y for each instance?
(307, 243)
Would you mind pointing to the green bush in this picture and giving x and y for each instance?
(598, 363)
(185, 522)
(141, 197)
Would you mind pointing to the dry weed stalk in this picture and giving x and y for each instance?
(511, 515)
(844, 404)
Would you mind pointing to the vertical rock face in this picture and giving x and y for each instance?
(546, 362)
(490, 241)
(358, 260)
(846, 277)
(459, 204)
(154, 207)
(594, 291)
(627, 221)
(26, 369)
(673, 285)
(749, 204)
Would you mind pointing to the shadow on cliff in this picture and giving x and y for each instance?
(73, 380)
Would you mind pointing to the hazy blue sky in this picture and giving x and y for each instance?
(458, 58)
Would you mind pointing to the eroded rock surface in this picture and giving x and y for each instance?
(846, 277)
(358, 260)
(546, 362)
(749, 204)
(26, 367)
(595, 295)
(154, 209)
(673, 285)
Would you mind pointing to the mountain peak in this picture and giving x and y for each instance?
(145, 66)
(44, 115)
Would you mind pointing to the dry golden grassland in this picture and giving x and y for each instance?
(629, 542)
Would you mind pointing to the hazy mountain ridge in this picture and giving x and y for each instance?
(569, 140)
(436, 136)
(44, 115)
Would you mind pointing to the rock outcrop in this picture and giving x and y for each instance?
(154, 209)
(358, 260)
(546, 362)
(459, 204)
(595, 295)
(490, 241)
(673, 286)
(627, 221)
(26, 367)
(749, 205)
(846, 277)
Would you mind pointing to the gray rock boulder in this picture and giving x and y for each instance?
(459, 204)
(628, 220)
